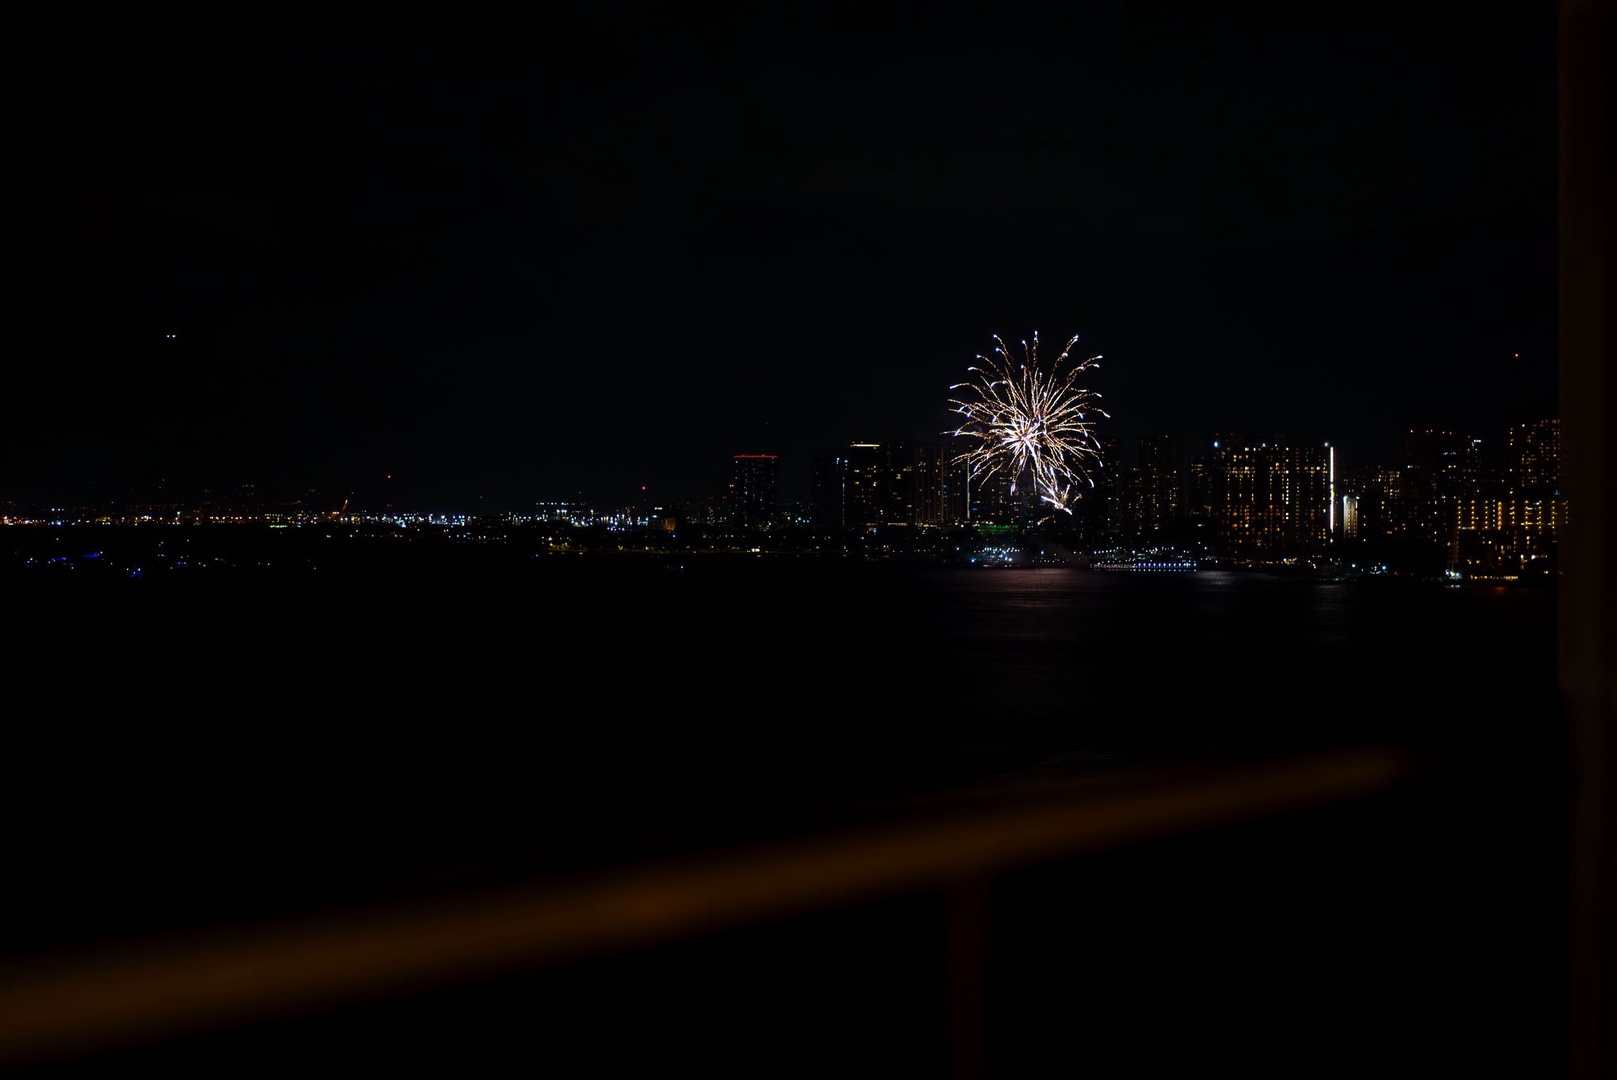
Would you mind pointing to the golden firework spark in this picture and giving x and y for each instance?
(1034, 427)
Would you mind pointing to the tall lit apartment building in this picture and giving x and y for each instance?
(1505, 529)
(1534, 451)
(1370, 502)
(1274, 497)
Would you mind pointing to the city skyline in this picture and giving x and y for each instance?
(1113, 464)
(594, 250)
(709, 489)
(1441, 514)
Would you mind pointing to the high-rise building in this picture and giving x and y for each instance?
(1147, 504)
(1534, 455)
(1097, 507)
(1199, 487)
(886, 484)
(753, 490)
(1439, 469)
(928, 483)
(1509, 527)
(1376, 494)
(905, 488)
(1274, 497)
(1441, 449)
(828, 474)
(864, 487)
(956, 506)
(1162, 453)
(1152, 495)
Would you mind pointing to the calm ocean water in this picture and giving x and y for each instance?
(260, 736)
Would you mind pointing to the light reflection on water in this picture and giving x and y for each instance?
(329, 728)
(1120, 654)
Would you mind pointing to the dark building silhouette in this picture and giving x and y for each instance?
(919, 492)
(827, 499)
(1099, 506)
(1151, 496)
(1162, 453)
(864, 486)
(891, 484)
(1534, 455)
(752, 495)
(1439, 469)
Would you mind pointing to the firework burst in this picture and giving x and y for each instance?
(1033, 427)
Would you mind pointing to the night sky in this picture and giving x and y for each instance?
(567, 253)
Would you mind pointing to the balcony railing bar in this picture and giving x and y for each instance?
(116, 997)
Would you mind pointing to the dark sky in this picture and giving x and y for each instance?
(577, 250)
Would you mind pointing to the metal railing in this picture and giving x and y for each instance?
(118, 997)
